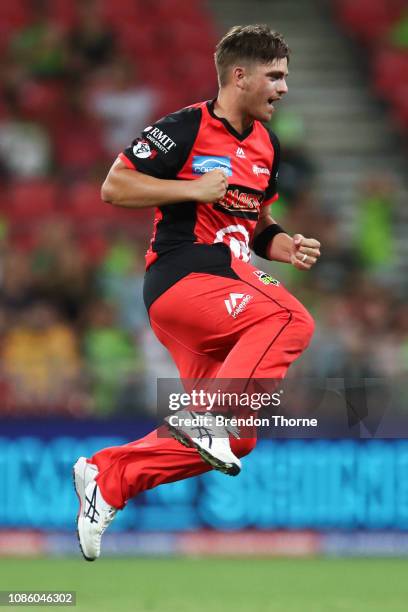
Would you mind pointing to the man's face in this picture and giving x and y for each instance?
(263, 84)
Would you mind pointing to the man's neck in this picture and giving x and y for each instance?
(226, 107)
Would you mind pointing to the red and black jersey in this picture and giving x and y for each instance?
(185, 145)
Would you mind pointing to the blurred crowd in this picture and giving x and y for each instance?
(79, 80)
(381, 28)
(355, 292)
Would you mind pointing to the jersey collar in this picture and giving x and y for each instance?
(227, 125)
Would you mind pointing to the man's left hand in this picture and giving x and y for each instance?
(305, 252)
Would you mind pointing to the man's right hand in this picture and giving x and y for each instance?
(210, 187)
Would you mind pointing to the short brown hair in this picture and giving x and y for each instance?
(251, 43)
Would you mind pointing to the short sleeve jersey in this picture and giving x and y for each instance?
(187, 144)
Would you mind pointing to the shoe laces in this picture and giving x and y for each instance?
(233, 430)
(107, 519)
(214, 431)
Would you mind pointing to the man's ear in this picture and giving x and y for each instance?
(239, 76)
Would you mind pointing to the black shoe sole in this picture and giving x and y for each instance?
(77, 519)
(226, 468)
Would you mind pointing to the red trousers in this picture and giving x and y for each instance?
(214, 327)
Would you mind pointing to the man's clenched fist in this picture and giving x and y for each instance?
(210, 187)
(305, 252)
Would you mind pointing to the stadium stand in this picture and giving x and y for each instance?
(64, 247)
(378, 24)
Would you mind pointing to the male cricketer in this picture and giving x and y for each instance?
(210, 171)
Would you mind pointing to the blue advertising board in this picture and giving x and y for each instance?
(295, 484)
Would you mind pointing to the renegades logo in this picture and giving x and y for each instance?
(240, 202)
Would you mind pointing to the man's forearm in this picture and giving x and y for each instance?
(280, 248)
(129, 188)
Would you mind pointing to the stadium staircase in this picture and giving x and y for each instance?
(348, 134)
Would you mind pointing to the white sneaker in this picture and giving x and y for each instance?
(83, 474)
(94, 514)
(210, 440)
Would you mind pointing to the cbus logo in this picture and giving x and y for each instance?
(204, 163)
